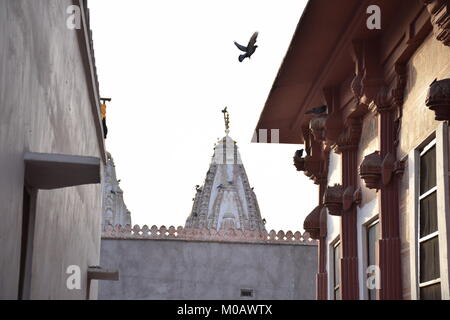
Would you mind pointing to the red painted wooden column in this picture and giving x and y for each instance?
(390, 258)
(348, 146)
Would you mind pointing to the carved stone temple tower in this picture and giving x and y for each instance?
(226, 200)
(115, 211)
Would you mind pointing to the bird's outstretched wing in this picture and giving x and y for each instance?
(252, 41)
(240, 47)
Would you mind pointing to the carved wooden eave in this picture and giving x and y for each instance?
(438, 99)
(440, 19)
(332, 199)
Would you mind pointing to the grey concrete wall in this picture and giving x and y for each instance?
(178, 269)
(45, 107)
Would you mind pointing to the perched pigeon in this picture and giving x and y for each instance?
(299, 153)
(317, 110)
(249, 49)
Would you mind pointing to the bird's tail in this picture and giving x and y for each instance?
(241, 57)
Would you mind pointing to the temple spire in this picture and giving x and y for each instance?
(226, 118)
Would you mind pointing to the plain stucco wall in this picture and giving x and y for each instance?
(45, 107)
(176, 269)
(430, 61)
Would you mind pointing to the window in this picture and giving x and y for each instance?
(428, 233)
(372, 238)
(246, 293)
(336, 255)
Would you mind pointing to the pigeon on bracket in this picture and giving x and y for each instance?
(317, 110)
(249, 49)
(299, 153)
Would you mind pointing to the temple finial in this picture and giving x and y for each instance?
(226, 118)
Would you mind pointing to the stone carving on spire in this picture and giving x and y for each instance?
(226, 199)
(114, 209)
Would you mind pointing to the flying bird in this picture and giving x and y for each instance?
(249, 49)
(317, 110)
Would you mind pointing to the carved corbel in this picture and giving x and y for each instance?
(349, 139)
(440, 19)
(438, 99)
(312, 223)
(334, 124)
(312, 167)
(384, 101)
(332, 199)
(368, 71)
(317, 126)
(370, 170)
(351, 196)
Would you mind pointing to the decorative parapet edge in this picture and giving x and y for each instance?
(194, 234)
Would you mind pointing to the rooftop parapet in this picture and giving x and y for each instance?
(193, 234)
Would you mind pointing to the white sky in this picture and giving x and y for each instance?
(170, 68)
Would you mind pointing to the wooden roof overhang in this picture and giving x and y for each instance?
(321, 55)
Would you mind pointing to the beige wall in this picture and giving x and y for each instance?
(45, 107)
(431, 61)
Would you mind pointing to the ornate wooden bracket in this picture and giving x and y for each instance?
(438, 99)
(312, 167)
(338, 199)
(370, 170)
(351, 196)
(349, 139)
(317, 126)
(377, 172)
(312, 223)
(332, 199)
(440, 19)
(368, 73)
